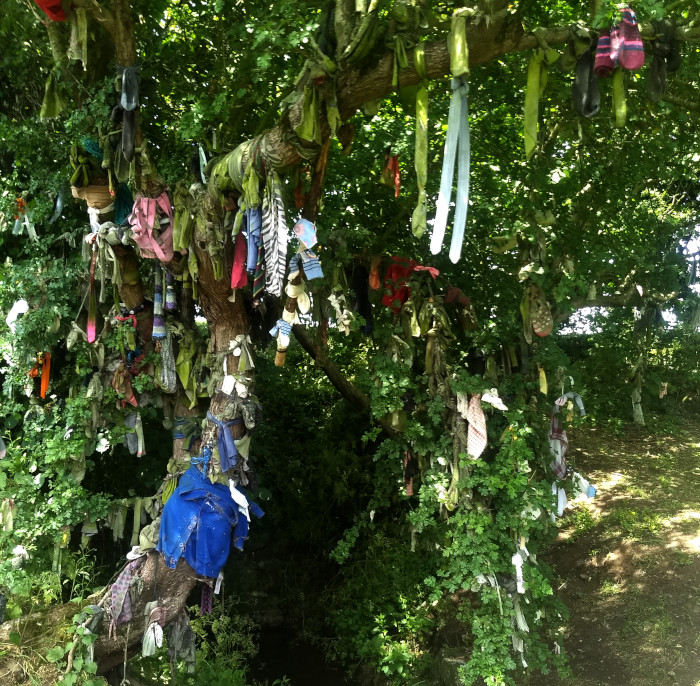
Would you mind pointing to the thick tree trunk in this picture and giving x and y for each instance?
(488, 39)
(171, 588)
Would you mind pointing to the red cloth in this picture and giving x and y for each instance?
(391, 175)
(455, 294)
(45, 373)
(396, 290)
(239, 277)
(53, 9)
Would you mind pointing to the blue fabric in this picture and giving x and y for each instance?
(312, 267)
(457, 138)
(281, 326)
(197, 522)
(228, 453)
(253, 219)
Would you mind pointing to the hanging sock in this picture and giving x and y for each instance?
(137, 522)
(130, 87)
(159, 332)
(631, 51)
(667, 57)
(128, 142)
(282, 332)
(604, 56)
(536, 82)
(586, 94)
(419, 218)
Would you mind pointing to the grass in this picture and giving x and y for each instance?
(629, 560)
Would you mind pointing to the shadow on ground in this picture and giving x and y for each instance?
(628, 562)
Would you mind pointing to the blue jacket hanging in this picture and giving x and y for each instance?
(197, 523)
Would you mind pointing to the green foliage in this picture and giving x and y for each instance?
(397, 572)
(228, 638)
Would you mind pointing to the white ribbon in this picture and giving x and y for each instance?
(239, 499)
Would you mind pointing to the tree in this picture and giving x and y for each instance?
(594, 218)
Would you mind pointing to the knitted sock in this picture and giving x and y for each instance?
(604, 59)
(631, 54)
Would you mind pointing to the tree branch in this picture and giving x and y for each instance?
(488, 39)
(346, 388)
(692, 105)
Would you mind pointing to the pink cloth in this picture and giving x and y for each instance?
(145, 220)
(477, 439)
(239, 277)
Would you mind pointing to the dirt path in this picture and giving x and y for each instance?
(628, 561)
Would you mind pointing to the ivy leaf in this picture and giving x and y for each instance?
(55, 654)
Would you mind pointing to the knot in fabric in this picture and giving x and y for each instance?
(228, 453)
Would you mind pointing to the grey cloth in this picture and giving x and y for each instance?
(181, 642)
(168, 378)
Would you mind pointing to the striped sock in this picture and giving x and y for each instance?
(604, 60)
(631, 54)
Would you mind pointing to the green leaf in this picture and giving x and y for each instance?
(55, 654)
(15, 637)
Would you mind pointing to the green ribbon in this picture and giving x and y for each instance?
(459, 49)
(251, 187)
(183, 222)
(536, 83)
(619, 98)
(400, 59)
(53, 103)
(309, 128)
(185, 365)
(419, 218)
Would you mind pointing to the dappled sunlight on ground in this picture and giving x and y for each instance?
(628, 561)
